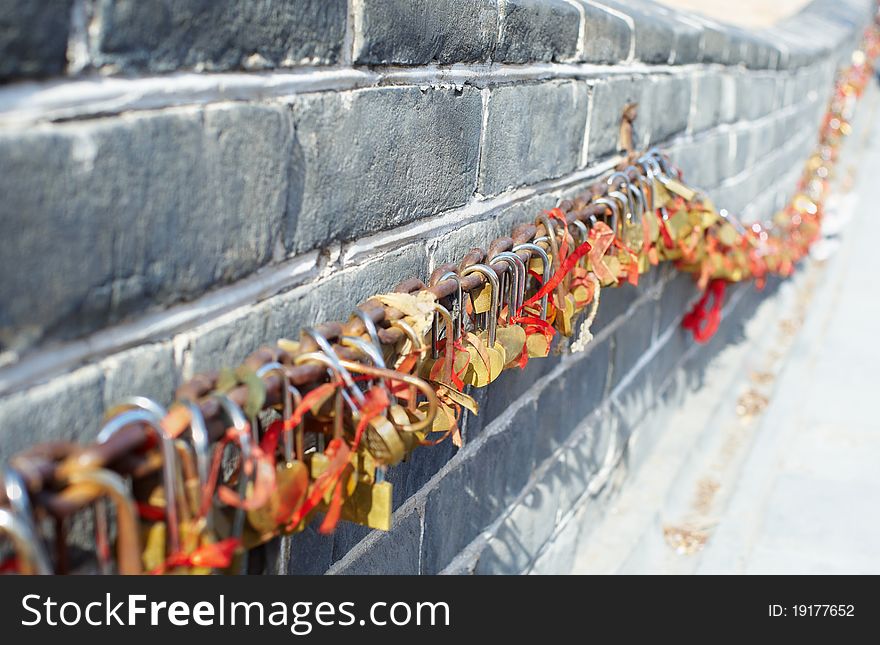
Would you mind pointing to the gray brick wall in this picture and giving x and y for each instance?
(242, 171)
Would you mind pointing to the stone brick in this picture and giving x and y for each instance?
(452, 520)
(450, 247)
(522, 533)
(758, 52)
(762, 139)
(716, 45)
(822, 33)
(537, 31)
(412, 32)
(559, 556)
(533, 132)
(708, 89)
(679, 293)
(393, 553)
(579, 466)
(471, 495)
(631, 340)
(472, 424)
(607, 36)
(634, 399)
(353, 285)
(165, 35)
(700, 159)
(228, 339)
(69, 407)
(310, 552)
(655, 35)
(669, 104)
(687, 32)
(614, 303)
(610, 95)
(91, 222)
(379, 158)
(33, 38)
(569, 400)
(727, 107)
(740, 46)
(511, 386)
(346, 537)
(742, 154)
(755, 95)
(410, 476)
(146, 370)
(225, 341)
(797, 52)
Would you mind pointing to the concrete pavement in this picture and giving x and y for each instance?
(774, 465)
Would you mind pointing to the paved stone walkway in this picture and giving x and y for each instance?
(809, 494)
(778, 472)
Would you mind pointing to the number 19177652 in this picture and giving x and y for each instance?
(811, 610)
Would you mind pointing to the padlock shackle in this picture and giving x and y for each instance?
(517, 290)
(334, 363)
(200, 439)
(492, 279)
(90, 485)
(409, 379)
(372, 353)
(637, 187)
(243, 438)
(17, 523)
(614, 182)
(370, 326)
(459, 304)
(449, 355)
(288, 393)
(547, 270)
(150, 413)
(615, 211)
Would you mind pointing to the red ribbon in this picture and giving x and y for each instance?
(216, 555)
(702, 323)
(269, 442)
(150, 513)
(338, 452)
(456, 377)
(376, 401)
(10, 565)
(533, 325)
(560, 274)
(632, 269)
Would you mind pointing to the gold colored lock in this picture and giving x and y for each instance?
(17, 524)
(90, 485)
(486, 365)
(291, 472)
(511, 336)
(368, 502)
(161, 538)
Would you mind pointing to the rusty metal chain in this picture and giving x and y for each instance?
(43, 467)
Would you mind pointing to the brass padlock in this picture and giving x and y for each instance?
(291, 472)
(511, 336)
(486, 366)
(230, 522)
(369, 498)
(92, 484)
(160, 537)
(17, 523)
(606, 266)
(537, 344)
(30, 556)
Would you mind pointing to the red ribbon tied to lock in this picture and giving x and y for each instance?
(704, 323)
